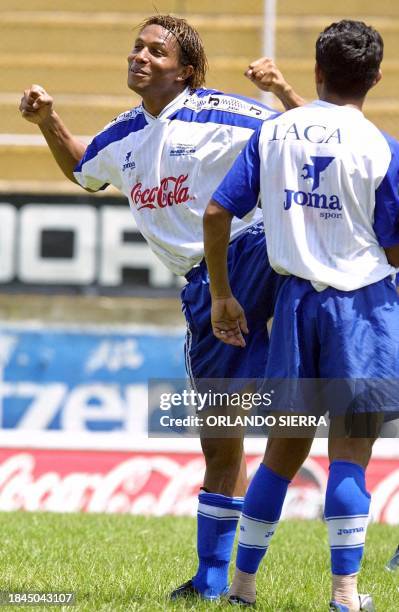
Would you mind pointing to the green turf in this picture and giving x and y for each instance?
(119, 562)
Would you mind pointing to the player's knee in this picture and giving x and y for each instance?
(224, 453)
(354, 450)
(285, 455)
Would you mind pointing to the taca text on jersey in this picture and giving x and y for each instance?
(170, 191)
(312, 133)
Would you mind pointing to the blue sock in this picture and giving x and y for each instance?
(346, 512)
(217, 519)
(260, 515)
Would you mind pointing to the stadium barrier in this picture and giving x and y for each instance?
(153, 481)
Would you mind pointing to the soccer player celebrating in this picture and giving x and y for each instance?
(328, 180)
(167, 156)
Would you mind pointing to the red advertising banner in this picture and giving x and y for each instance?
(159, 483)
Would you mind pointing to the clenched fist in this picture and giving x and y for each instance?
(36, 105)
(265, 75)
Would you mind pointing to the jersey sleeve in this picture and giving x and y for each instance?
(239, 190)
(386, 214)
(92, 171)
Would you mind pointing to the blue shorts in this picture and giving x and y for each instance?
(255, 285)
(342, 335)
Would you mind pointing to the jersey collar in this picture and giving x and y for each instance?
(169, 109)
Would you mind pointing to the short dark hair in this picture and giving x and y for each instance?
(349, 53)
(192, 50)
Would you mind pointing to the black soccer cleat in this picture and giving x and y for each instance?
(185, 590)
(236, 600)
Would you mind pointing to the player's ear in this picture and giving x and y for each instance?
(377, 78)
(318, 73)
(185, 73)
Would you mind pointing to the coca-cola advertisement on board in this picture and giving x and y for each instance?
(159, 483)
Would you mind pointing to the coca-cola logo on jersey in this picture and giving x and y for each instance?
(171, 190)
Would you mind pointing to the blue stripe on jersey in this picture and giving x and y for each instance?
(239, 190)
(386, 214)
(115, 132)
(213, 115)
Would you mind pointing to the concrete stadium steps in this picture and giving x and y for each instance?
(28, 163)
(112, 33)
(300, 74)
(385, 114)
(339, 9)
(66, 73)
(342, 8)
(82, 114)
(296, 36)
(147, 7)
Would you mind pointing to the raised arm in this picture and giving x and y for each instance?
(227, 316)
(37, 107)
(264, 73)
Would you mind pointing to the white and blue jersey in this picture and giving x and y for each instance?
(168, 167)
(328, 180)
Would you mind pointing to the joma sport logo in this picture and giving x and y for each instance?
(350, 531)
(128, 162)
(312, 172)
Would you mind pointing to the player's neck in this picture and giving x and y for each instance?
(154, 105)
(332, 98)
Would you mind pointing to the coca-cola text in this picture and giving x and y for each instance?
(170, 191)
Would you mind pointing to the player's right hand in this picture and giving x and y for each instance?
(228, 321)
(36, 104)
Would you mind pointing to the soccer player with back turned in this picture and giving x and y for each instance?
(328, 180)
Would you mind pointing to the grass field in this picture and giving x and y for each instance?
(121, 563)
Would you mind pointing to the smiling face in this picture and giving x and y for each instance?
(155, 70)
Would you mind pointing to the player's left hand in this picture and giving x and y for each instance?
(228, 321)
(264, 73)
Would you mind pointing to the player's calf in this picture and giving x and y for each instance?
(219, 509)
